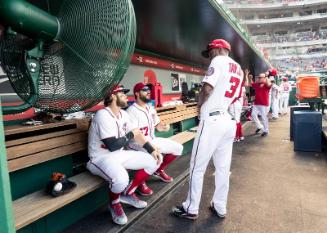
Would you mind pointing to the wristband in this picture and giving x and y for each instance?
(129, 136)
(148, 147)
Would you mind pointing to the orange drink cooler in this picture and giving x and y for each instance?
(307, 87)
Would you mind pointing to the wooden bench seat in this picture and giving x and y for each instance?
(183, 137)
(42, 148)
(37, 205)
(194, 129)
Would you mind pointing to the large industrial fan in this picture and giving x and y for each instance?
(65, 62)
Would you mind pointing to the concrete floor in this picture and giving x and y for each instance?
(273, 189)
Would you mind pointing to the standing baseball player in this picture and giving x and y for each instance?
(214, 139)
(145, 117)
(269, 95)
(261, 87)
(235, 110)
(274, 98)
(111, 130)
(285, 89)
(270, 74)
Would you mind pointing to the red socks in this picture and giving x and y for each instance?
(239, 132)
(139, 177)
(114, 197)
(168, 158)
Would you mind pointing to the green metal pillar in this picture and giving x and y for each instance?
(28, 19)
(6, 212)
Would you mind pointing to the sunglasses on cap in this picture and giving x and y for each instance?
(146, 88)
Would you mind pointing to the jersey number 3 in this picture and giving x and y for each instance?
(231, 92)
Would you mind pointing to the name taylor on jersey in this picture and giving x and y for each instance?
(235, 69)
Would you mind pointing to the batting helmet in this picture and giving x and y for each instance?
(217, 43)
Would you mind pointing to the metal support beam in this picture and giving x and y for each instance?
(6, 212)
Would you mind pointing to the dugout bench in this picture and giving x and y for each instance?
(35, 152)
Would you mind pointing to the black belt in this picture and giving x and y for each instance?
(215, 113)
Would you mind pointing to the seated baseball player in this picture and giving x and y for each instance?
(110, 132)
(145, 117)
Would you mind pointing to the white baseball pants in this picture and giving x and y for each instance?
(168, 146)
(262, 110)
(275, 107)
(235, 110)
(214, 139)
(165, 145)
(269, 103)
(284, 103)
(112, 167)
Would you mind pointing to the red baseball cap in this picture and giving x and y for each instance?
(217, 43)
(120, 88)
(139, 86)
(284, 78)
(272, 72)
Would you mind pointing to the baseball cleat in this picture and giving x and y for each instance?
(242, 138)
(264, 134)
(179, 211)
(213, 209)
(144, 190)
(162, 175)
(118, 215)
(133, 200)
(257, 131)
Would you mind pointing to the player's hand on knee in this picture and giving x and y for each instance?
(157, 156)
(156, 148)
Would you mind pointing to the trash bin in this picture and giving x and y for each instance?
(307, 131)
(292, 109)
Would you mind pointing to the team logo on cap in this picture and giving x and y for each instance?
(210, 71)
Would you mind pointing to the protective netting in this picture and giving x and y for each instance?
(91, 55)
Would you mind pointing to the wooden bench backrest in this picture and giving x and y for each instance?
(176, 115)
(30, 145)
(33, 149)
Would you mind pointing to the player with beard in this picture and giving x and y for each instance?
(110, 132)
(145, 117)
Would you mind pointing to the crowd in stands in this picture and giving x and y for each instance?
(301, 64)
(292, 37)
(299, 50)
(317, 50)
